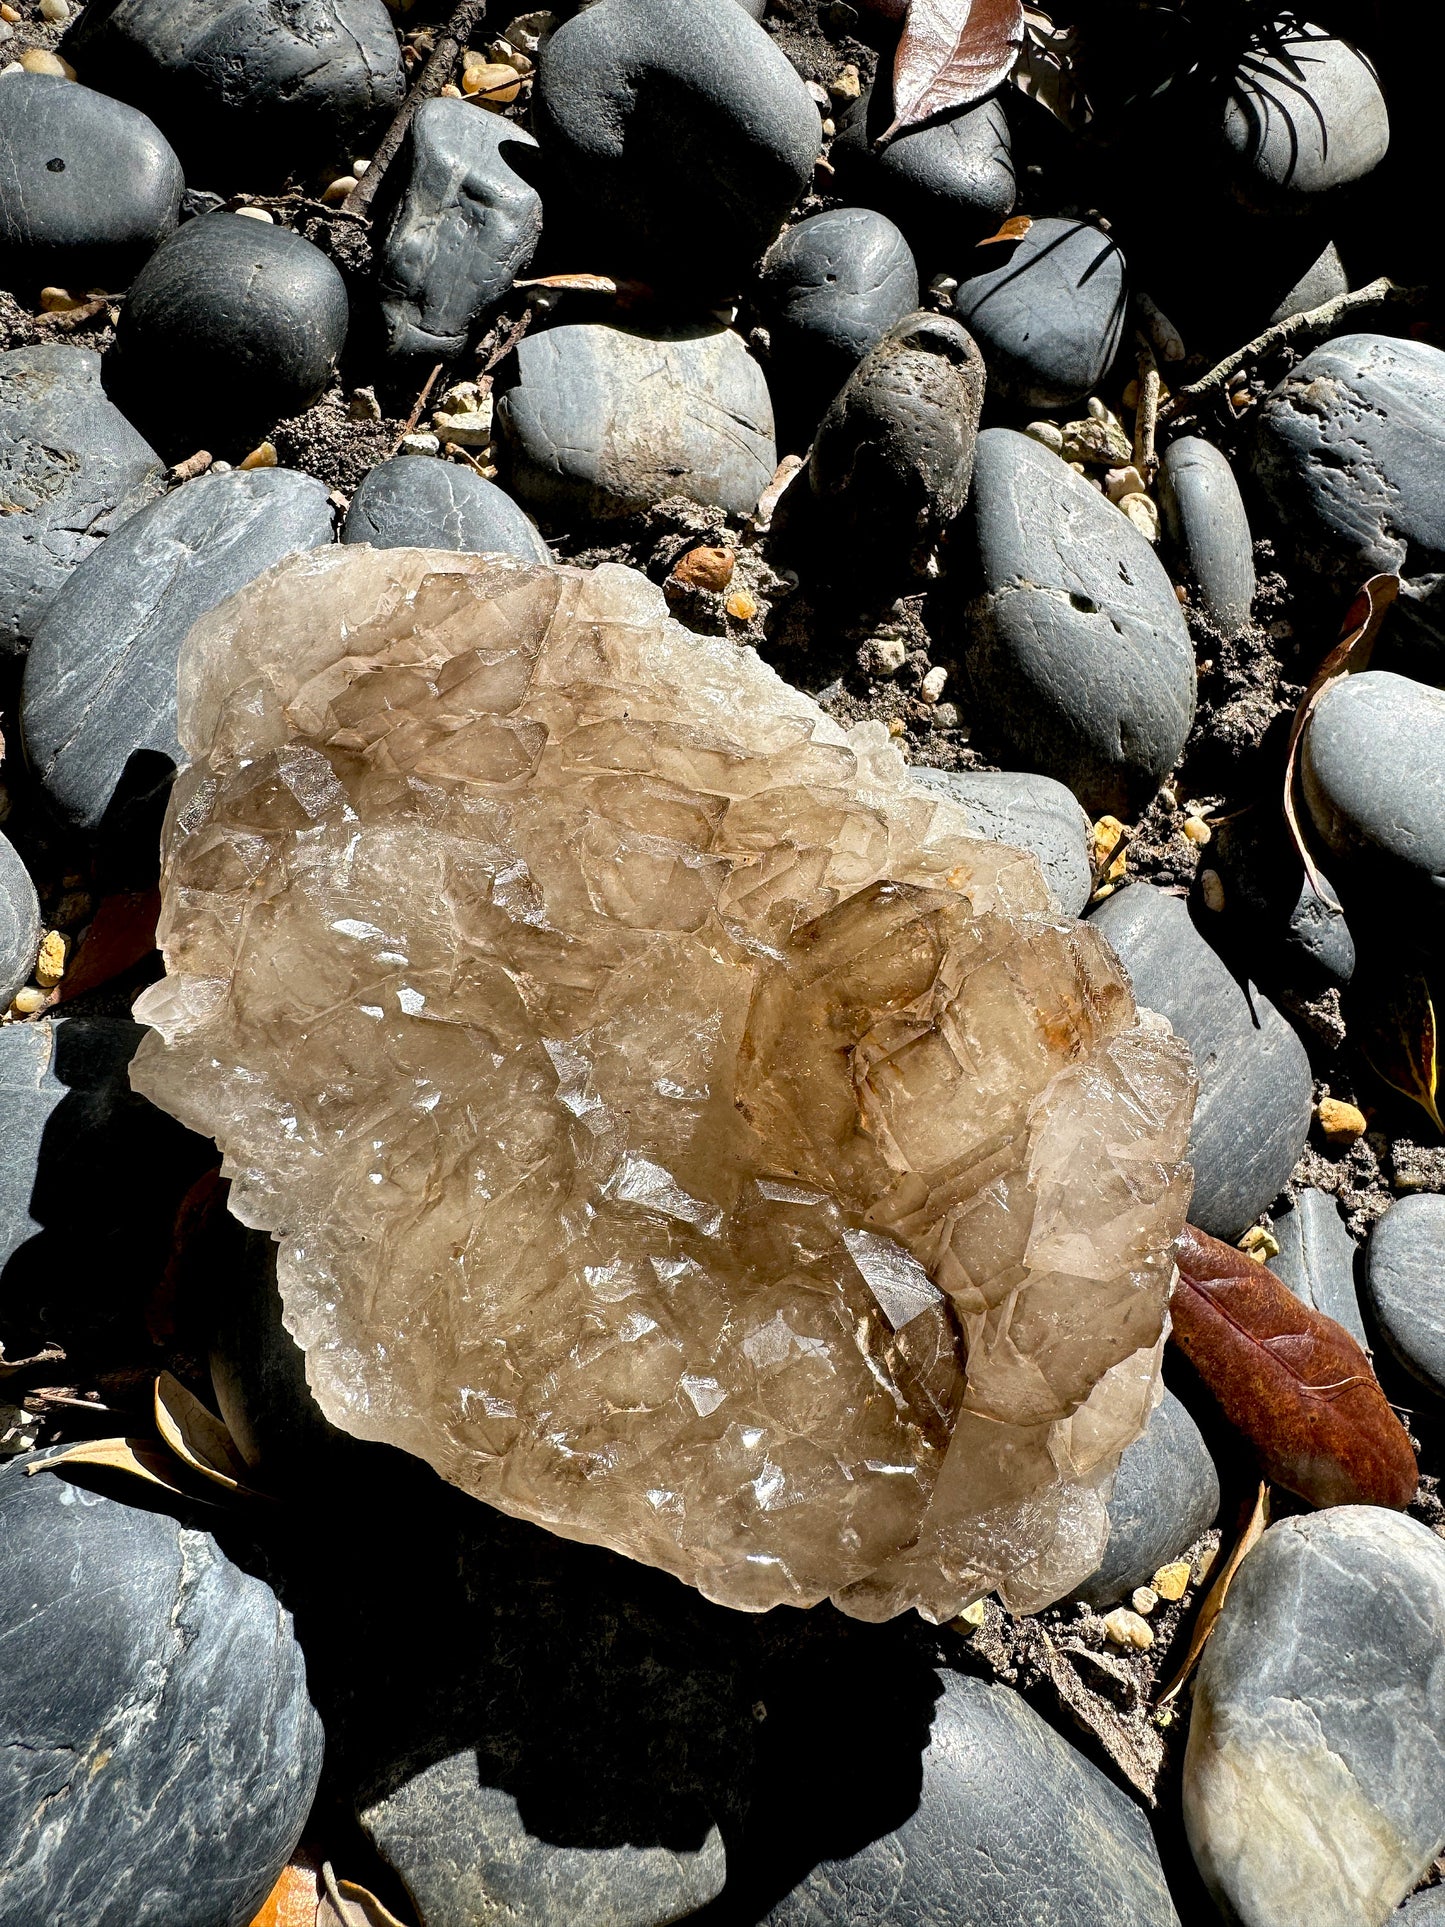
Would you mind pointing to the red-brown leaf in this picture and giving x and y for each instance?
(122, 932)
(952, 53)
(1293, 1381)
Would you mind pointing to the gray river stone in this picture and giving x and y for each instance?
(832, 287)
(1076, 647)
(19, 922)
(1166, 1496)
(1316, 1259)
(947, 184)
(1026, 812)
(1321, 281)
(412, 503)
(1314, 1779)
(1426, 1909)
(1047, 311)
(158, 1751)
(1208, 530)
(1255, 1087)
(72, 465)
(466, 226)
(1405, 1284)
(604, 421)
(1304, 118)
(100, 680)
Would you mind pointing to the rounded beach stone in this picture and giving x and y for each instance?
(1208, 530)
(603, 421)
(1255, 1087)
(1304, 117)
(466, 226)
(91, 186)
(73, 468)
(679, 136)
(832, 287)
(240, 83)
(946, 184)
(1048, 312)
(1405, 1284)
(158, 1751)
(19, 922)
(1316, 1757)
(230, 326)
(1165, 1497)
(1077, 649)
(1027, 812)
(1316, 1259)
(411, 504)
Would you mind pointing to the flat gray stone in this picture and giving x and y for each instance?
(74, 468)
(158, 1751)
(832, 287)
(1315, 1771)
(1321, 282)
(1048, 312)
(1316, 1259)
(19, 923)
(466, 226)
(1304, 118)
(1208, 530)
(1255, 1087)
(1405, 1284)
(100, 680)
(1166, 1496)
(947, 184)
(605, 421)
(412, 503)
(1076, 647)
(1026, 812)
(1373, 773)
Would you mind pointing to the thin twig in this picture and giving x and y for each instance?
(1146, 415)
(465, 20)
(67, 318)
(415, 416)
(508, 342)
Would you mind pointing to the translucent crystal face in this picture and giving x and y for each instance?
(675, 1127)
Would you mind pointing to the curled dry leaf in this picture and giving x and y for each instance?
(198, 1438)
(1012, 230)
(1392, 1020)
(45, 1356)
(1047, 71)
(952, 53)
(581, 283)
(138, 1457)
(1291, 1380)
(344, 1904)
(294, 1900)
(1214, 1599)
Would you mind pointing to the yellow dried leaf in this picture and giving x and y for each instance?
(1214, 1599)
(197, 1436)
(136, 1456)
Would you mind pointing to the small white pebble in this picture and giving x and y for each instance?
(29, 1001)
(358, 168)
(220, 468)
(933, 684)
(1052, 436)
(257, 214)
(57, 12)
(420, 445)
(1144, 1599)
(1211, 888)
(887, 655)
(1143, 512)
(338, 189)
(11, 67)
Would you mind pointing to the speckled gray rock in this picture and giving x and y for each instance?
(1405, 1284)
(1026, 812)
(893, 456)
(1012, 1825)
(1208, 530)
(1321, 281)
(1425, 1909)
(603, 421)
(1315, 1768)
(1316, 1259)
(100, 680)
(1255, 1088)
(947, 184)
(72, 464)
(1165, 1497)
(283, 84)
(19, 922)
(832, 287)
(466, 226)
(1077, 649)
(88, 186)
(1349, 450)
(408, 503)
(680, 136)
(1048, 312)
(1304, 118)
(158, 1751)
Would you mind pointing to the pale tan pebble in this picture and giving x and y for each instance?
(504, 56)
(55, 12)
(10, 14)
(1119, 482)
(1259, 1243)
(363, 406)
(359, 167)
(933, 684)
(1144, 1599)
(818, 94)
(830, 128)
(257, 214)
(847, 84)
(1125, 1628)
(11, 67)
(1204, 1565)
(30, 1001)
(486, 80)
(887, 655)
(1105, 837)
(1341, 1123)
(1077, 467)
(50, 964)
(420, 445)
(1211, 888)
(1171, 1582)
(336, 191)
(472, 429)
(1098, 409)
(971, 1618)
(40, 60)
(220, 468)
(896, 726)
(58, 301)
(1052, 436)
(262, 456)
(741, 606)
(451, 91)
(463, 396)
(1143, 511)
(1197, 830)
(945, 716)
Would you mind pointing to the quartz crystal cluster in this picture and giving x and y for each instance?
(676, 1128)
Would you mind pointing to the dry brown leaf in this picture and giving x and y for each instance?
(1214, 1599)
(136, 1456)
(122, 932)
(198, 1438)
(583, 283)
(1046, 70)
(1012, 230)
(46, 1356)
(952, 53)
(294, 1900)
(344, 1904)
(1392, 1019)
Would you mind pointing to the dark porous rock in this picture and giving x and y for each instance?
(91, 186)
(831, 288)
(1349, 450)
(893, 456)
(236, 84)
(1048, 312)
(158, 1751)
(1165, 1497)
(1322, 281)
(947, 184)
(1316, 1259)
(1208, 530)
(679, 136)
(73, 467)
(19, 923)
(1264, 879)
(605, 421)
(231, 326)
(1303, 116)
(1026, 812)
(1255, 1088)
(466, 226)
(412, 503)
(1405, 1285)
(1315, 1770)
(1076, 648)
(99, 696)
